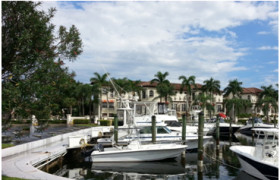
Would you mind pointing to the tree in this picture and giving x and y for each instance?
(187, 83)
(234, 88)
(211, 86)
(203, 100)
(164, 88)
(99, 81)
(32, 58)
(267, 100)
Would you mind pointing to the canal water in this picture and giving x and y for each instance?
(218, 164)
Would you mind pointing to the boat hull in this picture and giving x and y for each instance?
(256, 168)
(155, 153)
(247, 130)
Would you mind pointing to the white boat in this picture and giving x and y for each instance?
(224, 127)
(148, 168)
(258, 123)
(261, 160)
(144, 134)
(135, 152)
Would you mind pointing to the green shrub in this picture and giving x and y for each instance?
(244, 115)
(81, 121)
(242, 121)
(21, 121)
(105, 122)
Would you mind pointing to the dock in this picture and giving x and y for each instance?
(23, 161)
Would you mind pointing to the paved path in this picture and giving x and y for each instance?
(18, 161)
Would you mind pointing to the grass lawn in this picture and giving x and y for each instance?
(11, 178)
(6, 145)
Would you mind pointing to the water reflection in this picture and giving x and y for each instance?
(218, 163)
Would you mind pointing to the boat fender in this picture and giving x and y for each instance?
(82, 142)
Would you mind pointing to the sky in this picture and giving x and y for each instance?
(223, 40)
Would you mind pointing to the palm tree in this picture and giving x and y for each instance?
(99, 81)
(187, 83)
(134, 87)
(203, 100)
(163, 85)
(268, 99)
(211, 86)
(234, 88)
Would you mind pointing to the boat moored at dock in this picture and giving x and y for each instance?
(261, 160)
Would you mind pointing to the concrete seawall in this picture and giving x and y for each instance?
(18, 161)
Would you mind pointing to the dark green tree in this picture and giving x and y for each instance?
(234, 88)
(99, 81)
(164, 88)
(187, 83)
(32, 59)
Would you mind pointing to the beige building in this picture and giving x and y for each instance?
(149, 93)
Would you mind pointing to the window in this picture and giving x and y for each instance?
(111, 105)
(146, 130)
(184, 107)
(143, 94)
(249, 97)
(104, 104)
(161, 130)
(151, 93)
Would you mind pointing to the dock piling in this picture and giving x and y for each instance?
(154, 129)
(183, 155)
(116, 129)
(200, 140)
(217, 132)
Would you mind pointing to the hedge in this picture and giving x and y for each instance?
(81, 121)
(105, 122)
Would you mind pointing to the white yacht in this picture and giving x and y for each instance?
(261, 160)
(138, 126)
(135, 152)
(258, 123)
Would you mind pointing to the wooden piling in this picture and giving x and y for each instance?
(200, 139)
(184, 125)
(154, 130)
(217, 132)
(116, 129)
(253, 132)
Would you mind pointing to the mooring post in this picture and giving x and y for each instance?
(154, 129)
(116, 129)
(184, 125)
(253, 132)
(200, 140)
(183, 155)
(217, 133)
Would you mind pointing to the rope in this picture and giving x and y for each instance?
(210, 157)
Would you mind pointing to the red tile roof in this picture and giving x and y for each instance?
(251, 91)
(176, 86)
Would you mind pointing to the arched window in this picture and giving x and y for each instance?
(151, 93)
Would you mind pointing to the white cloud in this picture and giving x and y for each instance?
(137, 39)
(268, 48)
(263, 33)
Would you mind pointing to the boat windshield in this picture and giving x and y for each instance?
(173, 123)
(160, 130)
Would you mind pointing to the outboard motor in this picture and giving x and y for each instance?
(87, 152)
